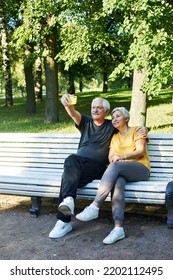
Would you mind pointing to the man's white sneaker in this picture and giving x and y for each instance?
(89, 213)
(60, 229)
(115, 235)
(67, 206)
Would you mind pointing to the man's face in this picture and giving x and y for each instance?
(97, 111)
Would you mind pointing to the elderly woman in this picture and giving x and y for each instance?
(129, 161)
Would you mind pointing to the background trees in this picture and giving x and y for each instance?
(77, 40)
(149, 27)
(7, 13)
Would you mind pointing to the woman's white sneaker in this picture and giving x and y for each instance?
(60, 229)
(116, 234)
(89, 213)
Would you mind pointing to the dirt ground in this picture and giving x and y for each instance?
(25, 238)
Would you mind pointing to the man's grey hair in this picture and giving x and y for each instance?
(123, 110)
(106, 104)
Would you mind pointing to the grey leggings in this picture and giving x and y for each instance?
(114, 179)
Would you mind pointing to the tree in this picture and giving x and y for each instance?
(139, 100)
(28, 69)
(25, 44)
(8, 18)
(51, 110)
(38, 29)
(38, 66)
(148, 24)
(88, 37)
(6, 58)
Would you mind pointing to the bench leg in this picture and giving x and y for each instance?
(169, 204)
(36, 205)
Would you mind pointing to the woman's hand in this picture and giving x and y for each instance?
(117, 158)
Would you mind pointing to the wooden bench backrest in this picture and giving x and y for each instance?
(160, 150)
(47, 152)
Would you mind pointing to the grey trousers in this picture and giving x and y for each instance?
(114, 179)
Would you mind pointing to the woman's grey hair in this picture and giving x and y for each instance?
(106, 104)
(123, 110)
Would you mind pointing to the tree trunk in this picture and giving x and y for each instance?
(71, 87)
(139, 100)
(28, 69)
(105, 82)
(51, 73)
(38, 65)
(38, 80)
(6, 62)
(81, 85)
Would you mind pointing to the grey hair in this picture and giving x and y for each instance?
(123, 110)
(106, 104)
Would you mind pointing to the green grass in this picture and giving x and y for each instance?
(15, 119)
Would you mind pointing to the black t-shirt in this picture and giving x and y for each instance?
(95, 140)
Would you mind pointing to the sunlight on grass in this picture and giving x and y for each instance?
(159, 119)
(15, 119)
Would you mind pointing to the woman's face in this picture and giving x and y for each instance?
(118, 119)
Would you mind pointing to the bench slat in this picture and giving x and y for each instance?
(81, 196)
(33, 164)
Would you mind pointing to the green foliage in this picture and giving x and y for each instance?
(149, 26)
(101, 35)
(75, 44)
(88, 36)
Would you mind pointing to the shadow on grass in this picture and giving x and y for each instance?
(164, 97)
(116, 98)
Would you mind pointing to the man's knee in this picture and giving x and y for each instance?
(70, 159)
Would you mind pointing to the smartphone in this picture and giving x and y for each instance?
(72, 99)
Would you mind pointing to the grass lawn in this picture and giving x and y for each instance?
(15, 119)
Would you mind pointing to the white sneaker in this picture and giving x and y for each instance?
(89, 213)
(60, 229)
(67, 206)
(115, 235)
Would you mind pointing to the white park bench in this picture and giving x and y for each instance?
(31, 164)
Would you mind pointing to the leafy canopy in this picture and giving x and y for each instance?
(148, 25)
